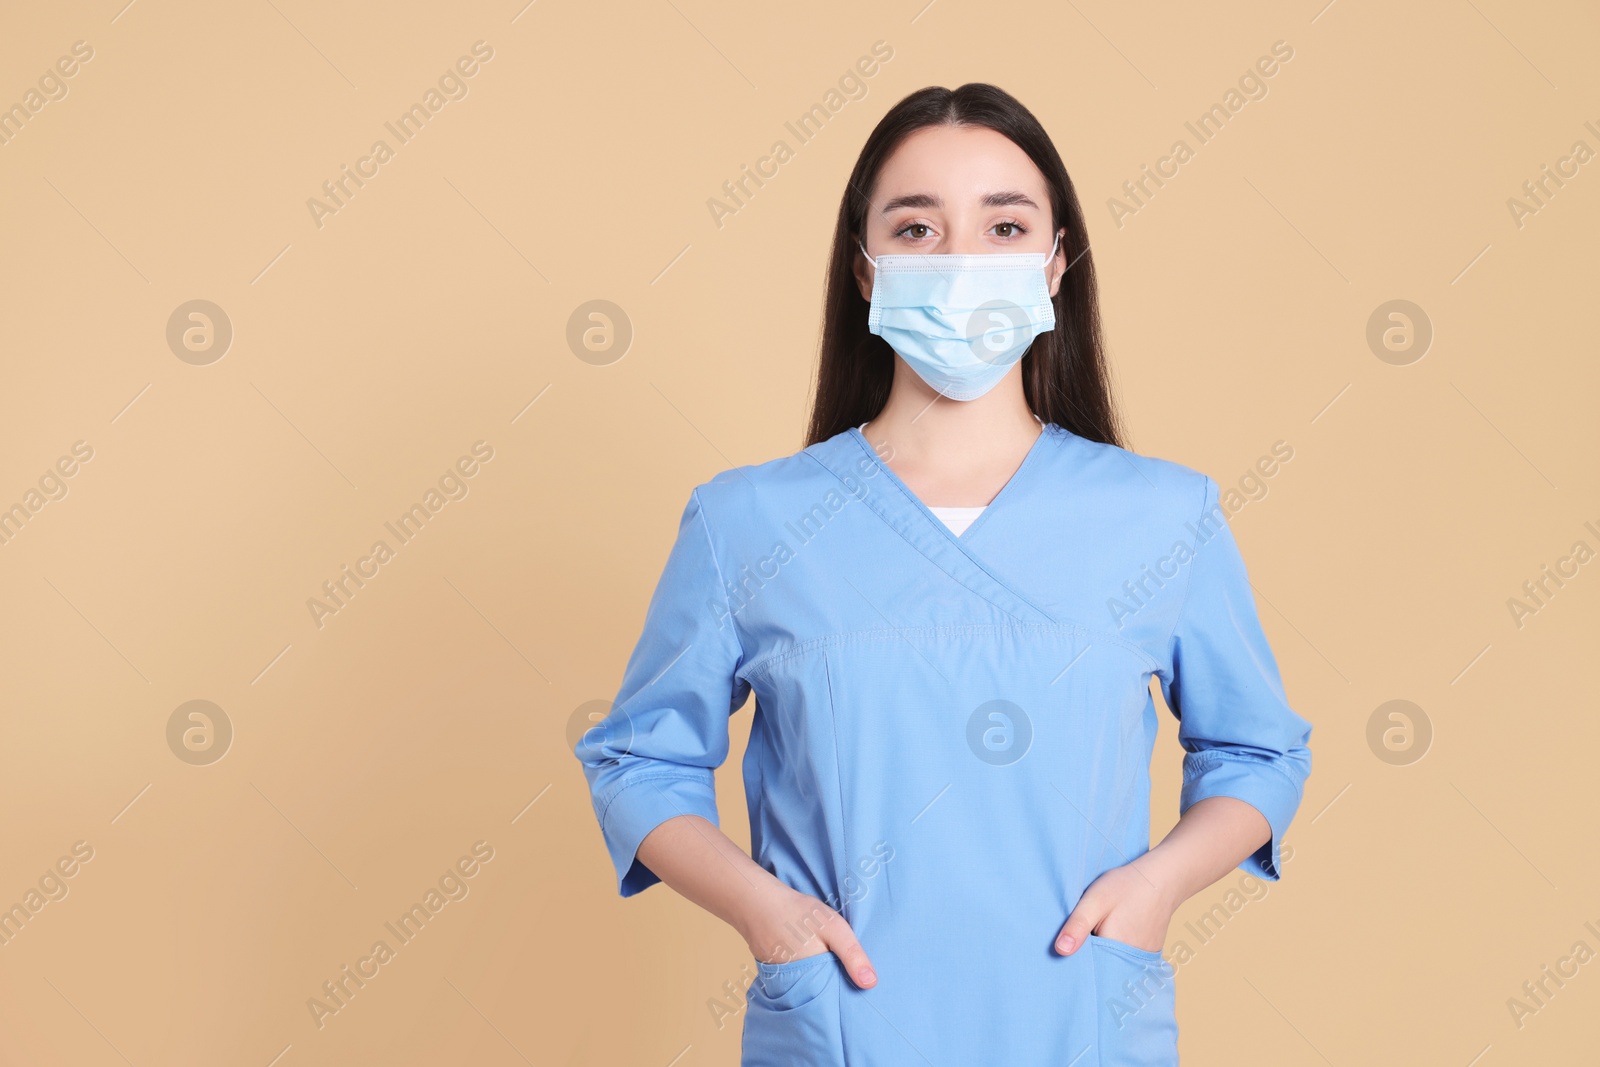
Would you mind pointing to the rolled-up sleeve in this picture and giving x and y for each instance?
(653, 757)
(1240, 736)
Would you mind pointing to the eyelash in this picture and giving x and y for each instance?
(1018, 227)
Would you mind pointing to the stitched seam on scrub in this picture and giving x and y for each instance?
(1177, 619)
(631, 782)
(1130, 952)
(971, 560)
(722, 583)
(762, 664)
(758, 744)
(1209, 759)
(804, 963)
(765, 663)
(961, 546)
(842, 861)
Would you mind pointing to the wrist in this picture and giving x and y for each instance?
(1164, 870)
(758, 899)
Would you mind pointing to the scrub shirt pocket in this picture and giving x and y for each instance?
(1137, 1005)
(792, 1014)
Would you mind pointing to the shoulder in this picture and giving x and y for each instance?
(1163, 486)
(753, 493)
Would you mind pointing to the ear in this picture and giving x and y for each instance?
(862, 269)
(1059, 265)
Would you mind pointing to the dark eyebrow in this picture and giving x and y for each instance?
(1010, 198)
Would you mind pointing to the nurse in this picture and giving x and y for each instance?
(949, 608)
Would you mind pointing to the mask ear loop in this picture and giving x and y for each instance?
(1051, 258)
(864, 252)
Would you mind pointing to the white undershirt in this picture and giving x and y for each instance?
(958, 519)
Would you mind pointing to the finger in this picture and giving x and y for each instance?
(1075, 931)
(842, 940)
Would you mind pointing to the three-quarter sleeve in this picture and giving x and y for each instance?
(652, 758)
(1240, 736)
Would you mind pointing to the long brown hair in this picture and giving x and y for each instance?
(1064, 374)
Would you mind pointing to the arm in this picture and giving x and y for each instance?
(1211, 838)
(778, 923)
(705, 866)
(650, 765)
(1135, 902)
(1246, 760)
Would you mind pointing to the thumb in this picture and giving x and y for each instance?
(842, 941)
(1075, 931)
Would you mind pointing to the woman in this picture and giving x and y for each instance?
(949, 607)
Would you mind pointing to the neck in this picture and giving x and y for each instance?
(919, 422)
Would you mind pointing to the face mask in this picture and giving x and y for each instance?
(961, 321)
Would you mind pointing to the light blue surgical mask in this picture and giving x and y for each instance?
(961, 321)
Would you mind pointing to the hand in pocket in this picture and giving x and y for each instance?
(785, 925)
(1122, 905)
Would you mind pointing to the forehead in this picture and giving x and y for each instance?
(959, 164)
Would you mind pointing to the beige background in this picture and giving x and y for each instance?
(430, 312)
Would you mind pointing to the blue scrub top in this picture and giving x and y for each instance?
(951, 736)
